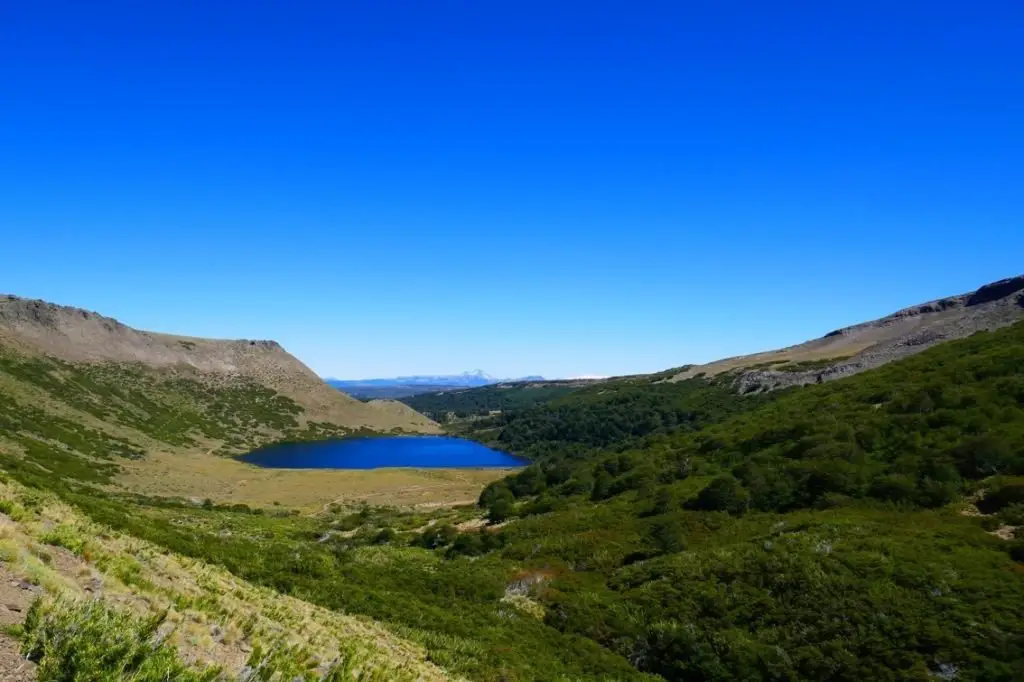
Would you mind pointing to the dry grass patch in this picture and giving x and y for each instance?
(228, 481)
(217, 618)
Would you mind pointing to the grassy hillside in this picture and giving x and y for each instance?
(81, 338)
(98, 604)
(145, 429)
(858, 529)
(84, 419)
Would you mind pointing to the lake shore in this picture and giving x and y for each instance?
(196, 474)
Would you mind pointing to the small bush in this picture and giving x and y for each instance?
(723, 494)
(1012, 515)
(13, 509)
(67, 537)
(385, 536)
(990, 523)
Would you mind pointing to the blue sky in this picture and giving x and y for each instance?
(525, 187)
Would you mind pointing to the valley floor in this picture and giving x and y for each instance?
(193, 474)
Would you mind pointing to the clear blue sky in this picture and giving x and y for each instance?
(563, 188)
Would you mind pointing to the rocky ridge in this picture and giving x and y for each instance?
(76, 335)
(867, 345)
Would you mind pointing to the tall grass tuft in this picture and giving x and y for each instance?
(89, 641)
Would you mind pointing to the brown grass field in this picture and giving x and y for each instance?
(225, 480)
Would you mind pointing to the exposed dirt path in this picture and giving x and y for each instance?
(15, 598)
(1003, 532)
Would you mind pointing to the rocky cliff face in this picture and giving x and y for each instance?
(867, 345)
(76, 335)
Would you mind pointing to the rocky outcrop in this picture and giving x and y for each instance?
(996, 290)
(77, 335)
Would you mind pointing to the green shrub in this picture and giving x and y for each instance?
(1003, 493)
(1012, 514)
(385, 536)
(723, 494)
(65, 536)
(990, 523)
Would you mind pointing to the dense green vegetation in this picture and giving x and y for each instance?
(466, 403)
(814, 498)
(453, 604)
(850, 594)
(612, 415)
(915, 432)
(867, 593)
(679, 530)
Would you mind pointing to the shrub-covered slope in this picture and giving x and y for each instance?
(918, 431)
(610, 414)
(858, 529)
(792, 540)
(817, 533)
(90, 584)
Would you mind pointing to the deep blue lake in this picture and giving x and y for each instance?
(420, 452)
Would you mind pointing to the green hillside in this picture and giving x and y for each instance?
(818, 535)
(918, 431)
(859, 529)
(80, 420)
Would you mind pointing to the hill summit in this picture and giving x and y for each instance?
(32, 327)
(867, 345)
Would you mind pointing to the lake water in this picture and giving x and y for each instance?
(419, 452)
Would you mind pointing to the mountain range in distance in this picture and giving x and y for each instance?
(404, 387)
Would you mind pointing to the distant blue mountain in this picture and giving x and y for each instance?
(401, 387)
